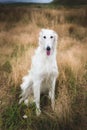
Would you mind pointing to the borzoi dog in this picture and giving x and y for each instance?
(44, 71)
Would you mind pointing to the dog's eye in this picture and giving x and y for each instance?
(51, 37)
(44, 37)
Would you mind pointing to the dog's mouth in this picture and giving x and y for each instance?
(48, 52)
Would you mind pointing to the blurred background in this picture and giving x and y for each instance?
(20, 24)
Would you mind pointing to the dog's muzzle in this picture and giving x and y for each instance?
(48, 50)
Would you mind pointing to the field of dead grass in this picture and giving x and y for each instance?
(19, 30)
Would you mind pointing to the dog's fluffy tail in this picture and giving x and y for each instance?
(26, 88)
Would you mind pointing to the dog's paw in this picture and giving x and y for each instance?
(38, 111)
(21, 100)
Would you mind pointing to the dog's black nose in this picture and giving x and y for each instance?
(48, 48)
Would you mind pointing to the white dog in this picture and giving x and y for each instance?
(44, 71)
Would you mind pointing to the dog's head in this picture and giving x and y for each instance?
(48, 40)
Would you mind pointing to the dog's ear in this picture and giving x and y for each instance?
(41, 33)
(56, 36)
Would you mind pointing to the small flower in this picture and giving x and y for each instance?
(25, 116)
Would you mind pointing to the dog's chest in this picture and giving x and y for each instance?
(47, 69)
(44, 67)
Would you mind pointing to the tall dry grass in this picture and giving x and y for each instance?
(19, 30)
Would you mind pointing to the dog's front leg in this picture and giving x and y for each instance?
(36, 90)
(52, 93)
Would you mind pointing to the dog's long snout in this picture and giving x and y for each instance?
(48, 48)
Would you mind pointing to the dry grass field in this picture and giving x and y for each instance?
(19, 30)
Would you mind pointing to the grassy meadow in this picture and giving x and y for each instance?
(19, 31)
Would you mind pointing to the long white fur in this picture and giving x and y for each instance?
(44, 71)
